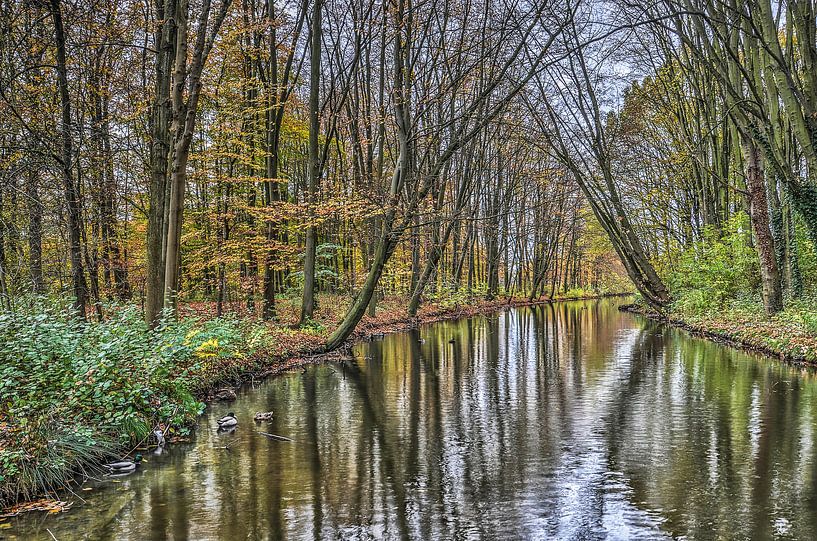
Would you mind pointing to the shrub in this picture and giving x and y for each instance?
(717, 269)
(578, 293)
(73, 391)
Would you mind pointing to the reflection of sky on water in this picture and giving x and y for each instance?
(571, 421)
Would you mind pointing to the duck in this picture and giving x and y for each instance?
(228, 421)
(263, 416)
(124, 466)
(225, 395)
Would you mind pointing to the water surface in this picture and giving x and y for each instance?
(569, 421)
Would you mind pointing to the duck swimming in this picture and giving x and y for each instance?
(263, 416)
(228, 421)
(124, 466)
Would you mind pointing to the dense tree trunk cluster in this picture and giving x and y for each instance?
(265, 151)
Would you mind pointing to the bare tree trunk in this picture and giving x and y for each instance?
(72, 196)
(35, 232)
(308, 298)
(5, 297)
(759, 211)
(165, 39)
(185, 108)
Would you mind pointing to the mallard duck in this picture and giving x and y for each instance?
(228, 421)
(226, 394)
(124, 466)
(263, 416)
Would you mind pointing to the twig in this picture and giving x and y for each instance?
(76, 495)
(52, 535)
(274, 436)
(164, 433)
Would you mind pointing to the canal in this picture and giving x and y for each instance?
(563, 421)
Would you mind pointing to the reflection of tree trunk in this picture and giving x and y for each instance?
(765, 465)
(375, 420)
(311, 399)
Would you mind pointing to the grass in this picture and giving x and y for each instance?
(790, 335)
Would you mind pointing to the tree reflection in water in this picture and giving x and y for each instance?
(569, 421)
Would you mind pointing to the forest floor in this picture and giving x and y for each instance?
(79, 394)
(790, 336)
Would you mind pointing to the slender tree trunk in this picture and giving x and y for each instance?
(308, 299)
(5, 297)
(35, 232)
(71, 190)
(759, 211)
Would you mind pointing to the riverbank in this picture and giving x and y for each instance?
(790, 336)
(78, 394)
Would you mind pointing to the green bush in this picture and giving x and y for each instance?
(579, 293)
(73, 391)
(716, 270)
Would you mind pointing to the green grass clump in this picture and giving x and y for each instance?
(73, 393)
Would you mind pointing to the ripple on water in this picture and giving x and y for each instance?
(567, 421)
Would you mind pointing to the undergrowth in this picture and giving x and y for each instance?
(76, 392)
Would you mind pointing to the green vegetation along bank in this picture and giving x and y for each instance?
(790, 335)
(77, 393)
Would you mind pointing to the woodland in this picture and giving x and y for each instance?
(190, 188)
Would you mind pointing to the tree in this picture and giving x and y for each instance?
(173, 121)
(308, 298)
(569, 112)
